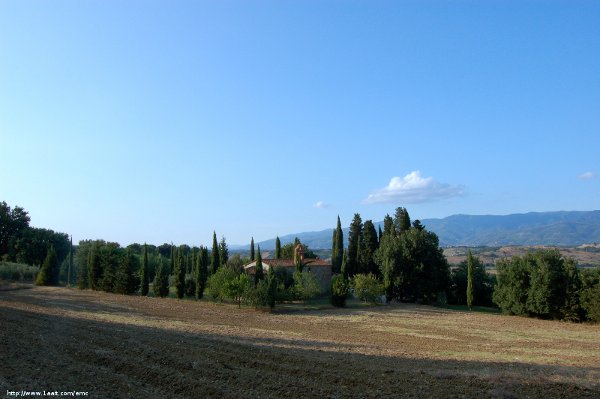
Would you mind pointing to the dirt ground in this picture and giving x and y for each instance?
(111, 346)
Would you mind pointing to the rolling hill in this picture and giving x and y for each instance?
(566, 228)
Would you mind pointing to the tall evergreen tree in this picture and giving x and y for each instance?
(252, 250)
(368, 245)
(344, 267)
(223, 252)
(277, 248)
(172, 261)
(388, 257)
(94, 267)
(401, 220)
(70, 270)
(201, 272)
(82, 269)
(46, 275)
(180, 275)
(337, 251)
(258, 269)
(388, 226)
(215, 260)
(271, 288)
(126, 281)
(353, 244)
(160, 286)
(380, 234)
(144, 280)
(470, 276)
(109, 263)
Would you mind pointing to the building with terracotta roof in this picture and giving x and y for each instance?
(319, 267)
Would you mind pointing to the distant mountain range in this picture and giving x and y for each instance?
(566, 228)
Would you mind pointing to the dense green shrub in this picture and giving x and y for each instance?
(541, 284)
(216, 283)
(235, 287)
(306, 286)
(367, 287)
(190, 285)
(17, 272)
(339, 291)
(257, 295)
(590, 294)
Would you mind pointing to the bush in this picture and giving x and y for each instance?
(17, 272)
(257, 295)
(190, 285)
(306, 285)
(590, 301)
(217, 283)
(236, 287)
(367, 287)
(590, 294)
(541, 284)
(339, 291)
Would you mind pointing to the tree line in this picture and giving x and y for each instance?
(403, 261)
(405, 257)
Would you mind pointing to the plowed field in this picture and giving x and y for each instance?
(111, 346)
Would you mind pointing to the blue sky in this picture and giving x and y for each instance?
(162, 121)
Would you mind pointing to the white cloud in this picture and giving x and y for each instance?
(413, 189)
(586, 176)
(320, 205)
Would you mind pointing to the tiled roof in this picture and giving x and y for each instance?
(290, 262)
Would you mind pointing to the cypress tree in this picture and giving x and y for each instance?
(180, 275)
(201, 272)
(344, 268)
(70, 270)
(368, 246)
(379, 235)
(46, 274)
(94, 267)
(277, 248)
(144, 272)
(109, 265)
(252, 249)
(223, 252)
(160, 286)
(258, 274)
(388, 225)
(470, 288)
(172, 262)
(215, 261)
(333, 249)
(337, 251)
(125, 280)
(271, 288)
(353, 245)
(82, 272)
(401, 220)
